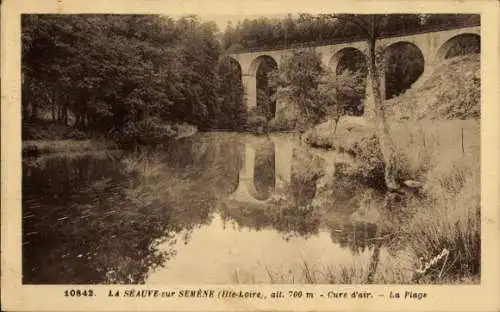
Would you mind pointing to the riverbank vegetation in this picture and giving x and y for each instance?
(413, 226)
(436, 132)
(126, 78)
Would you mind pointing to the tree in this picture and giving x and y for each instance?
(265, 105)
(108, 72)
(297, 79)
(370, 26)
(342, 94)
(231, 95)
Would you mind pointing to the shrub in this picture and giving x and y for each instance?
(370, 164)
(75, 134)
(285, 119)
(257, 124)
(313, 138)
(46, 130)
(151, 131)
(154, 130)
(281, 124)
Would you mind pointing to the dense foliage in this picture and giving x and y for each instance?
(343, 94)
(134, 72)
(297, 79)
(317, 92)
(268, 33)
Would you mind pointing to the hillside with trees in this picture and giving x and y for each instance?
(125, 74)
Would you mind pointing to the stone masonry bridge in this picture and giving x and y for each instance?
(433, 46)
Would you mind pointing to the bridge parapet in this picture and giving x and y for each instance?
(335, 41)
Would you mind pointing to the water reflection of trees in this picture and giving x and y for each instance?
(104, 220)
(264, 171)
(347, 207)
(285, 219)
(211, 159)
(110, 219)
(306, 170)
(356, 236)
(72, 232)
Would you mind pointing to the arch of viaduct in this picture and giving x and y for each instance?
(432, 45)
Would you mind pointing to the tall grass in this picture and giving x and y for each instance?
(391, 269)
(445, 156)
(450, 218)
(422, 146)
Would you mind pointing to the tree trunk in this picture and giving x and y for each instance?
(85, 120)
(34, 110)
(385, 140)
(336, 124)
(59, 112)
(25, 100)
(77, 119)
(65, 113)
(374, 260)
(53, 106)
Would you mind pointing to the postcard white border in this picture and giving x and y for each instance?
(15, 296)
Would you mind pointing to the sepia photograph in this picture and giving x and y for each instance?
(290, 148)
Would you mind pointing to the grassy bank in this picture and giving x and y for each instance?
(46, 137)
(445, 157)
(436, 132)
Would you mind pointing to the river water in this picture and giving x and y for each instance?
(214, 208)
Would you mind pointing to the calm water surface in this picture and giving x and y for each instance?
(212, 208)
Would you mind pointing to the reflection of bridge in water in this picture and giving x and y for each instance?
(290, 171)
(269, 156)
(266, 168)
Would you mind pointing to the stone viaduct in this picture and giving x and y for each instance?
(433, 45)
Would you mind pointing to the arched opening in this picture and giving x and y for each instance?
(266, 102)
(349, 59)
(460, 45)
(232, 93)
(404, 63)
(349, 65)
